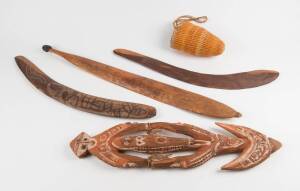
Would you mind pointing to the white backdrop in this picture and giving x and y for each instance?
(35, 130)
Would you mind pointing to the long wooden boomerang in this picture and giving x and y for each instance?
(151, 88)
(242, 80)
(79, 100)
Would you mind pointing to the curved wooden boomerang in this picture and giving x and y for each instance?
(81, 101)
(151, 88)
(111, 146)
(227, 81)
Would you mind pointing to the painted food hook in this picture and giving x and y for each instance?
(111, 146)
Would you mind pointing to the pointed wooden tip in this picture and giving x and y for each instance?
(272, 75)
(20, 61)
(228, 127)
(238, 114)
(122, 51)
(46, 48)
(125, 52)
(275, 144)
(18, 58)
(119, 51)
(263, 77)
(275, 74)
(231, 167)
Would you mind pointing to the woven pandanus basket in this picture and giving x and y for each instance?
(195, 40)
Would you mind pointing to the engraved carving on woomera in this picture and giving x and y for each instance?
(111, 145)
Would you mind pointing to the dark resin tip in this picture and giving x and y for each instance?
(46, 48)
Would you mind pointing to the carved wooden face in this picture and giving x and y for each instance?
(81, 144)
(152, 143)
(140, 141)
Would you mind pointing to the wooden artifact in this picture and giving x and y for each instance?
(151, 88)
(228, 81)
(81, 101)
(111, 146)
(193, 39)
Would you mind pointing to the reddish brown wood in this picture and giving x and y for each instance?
(154, 89)
(111, 146)
(81, 101)
(227, 81)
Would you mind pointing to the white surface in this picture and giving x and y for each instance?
(35, 130)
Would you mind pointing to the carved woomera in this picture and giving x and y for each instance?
(79, 100)
(159, 91)
(111, 146)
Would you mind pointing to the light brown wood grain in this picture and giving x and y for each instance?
(159, 91)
